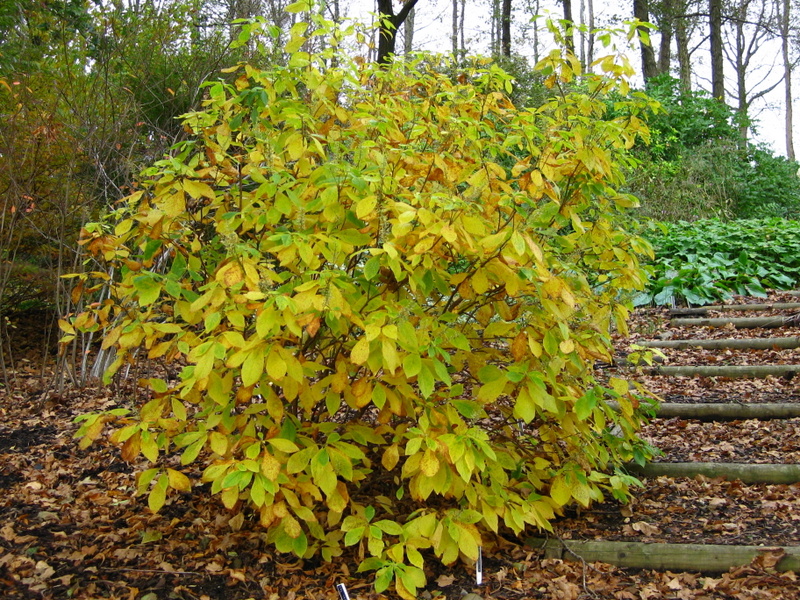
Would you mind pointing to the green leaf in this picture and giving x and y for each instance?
(158, 495)
(147, 288)
(298, 7)
(426, 381)
(412, 365)
(585, 405)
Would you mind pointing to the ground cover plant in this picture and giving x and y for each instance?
(383, 291)
(706, 261)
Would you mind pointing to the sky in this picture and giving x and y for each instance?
(433, 26)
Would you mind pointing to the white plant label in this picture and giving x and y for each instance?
(342, 589)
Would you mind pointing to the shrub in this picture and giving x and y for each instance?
(387, 337)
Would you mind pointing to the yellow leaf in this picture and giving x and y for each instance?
(474, 226)
(270, 466)
(291, 526)
(390, 458)
(276, 366)
(174, 204)
(479, 281)
(198, 189)
(158, 495)
(519, 346)
(218, 442)
(230, 274)
(390, 358)
(567, 346)
(560, 491)
(295, 146)
(492, 390)
(230, 496)
(253, 367)
(360, 352)
(429, 464)
(178, 481)
(365, 206)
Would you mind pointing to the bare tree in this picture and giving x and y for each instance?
(750, 26)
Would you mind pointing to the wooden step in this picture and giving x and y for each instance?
(705, 558)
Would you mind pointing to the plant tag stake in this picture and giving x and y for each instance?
(479, 566)
(342, 589)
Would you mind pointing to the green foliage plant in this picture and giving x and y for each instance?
(386, 336)
(708, 261)
(699, 164)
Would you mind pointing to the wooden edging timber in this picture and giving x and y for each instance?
(726, 411)
(738, 323)
(733, 371)
(706, 558)
(744, 472)
(787, 343)
(704, 310)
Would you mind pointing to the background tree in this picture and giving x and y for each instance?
(505, 28)
(408, 32)
(641, 11)
(387, 37)
(751, 24)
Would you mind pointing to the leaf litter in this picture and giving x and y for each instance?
(70, 526)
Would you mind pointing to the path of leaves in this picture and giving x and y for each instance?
(70, 527)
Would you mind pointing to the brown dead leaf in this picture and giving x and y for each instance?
(768, 558)
(445, 580)
(645, 528)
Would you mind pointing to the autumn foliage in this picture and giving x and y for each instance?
(384, 289)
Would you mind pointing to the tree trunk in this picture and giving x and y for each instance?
(408, 32)
(745, 472)
(717, 62)
(590, 40)
(706, 558)
(666, 25)
(582, 33)
(387, 36)
(730, 371)
(454, 32)
(684, 59)
(505, 26)
(569, 36)
(461, 28)
(641, 12)
(787, 78)
(738, 323)
(716, 344)
(743, 104)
